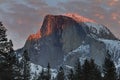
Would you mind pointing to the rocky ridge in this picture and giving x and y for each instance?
(64, 38)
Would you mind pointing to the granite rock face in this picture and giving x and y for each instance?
(58, 36)
(62, 39)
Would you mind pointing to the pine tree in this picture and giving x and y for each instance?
(26, 65)
(7, 55)
(48, 72)
(78, 70)
(91, 71)
(95, 73)
(45, 75)
(41, 76)
(71, 75)
(109, 69)
(86, 70)
(61, 75)
(17, 67)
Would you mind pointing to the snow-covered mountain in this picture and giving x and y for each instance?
(37, 69)
(63, 39)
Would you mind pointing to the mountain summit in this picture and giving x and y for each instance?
(63, 39)
(54, 22)
(78, 18)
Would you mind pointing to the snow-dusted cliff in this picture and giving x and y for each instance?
(64, 38)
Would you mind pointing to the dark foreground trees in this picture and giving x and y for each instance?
(109, 69)
(78, 70)
(26, 66)
(87, 71)
(71, 75)
(10, 67)
(61, 74)
(90, 71)
(45, 74)
(7, 56)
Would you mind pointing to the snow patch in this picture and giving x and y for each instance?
(82, 49)
(114, 48)
(69, 67)
(112, 45)
(36, 70)
(37, 46)
(97, 28)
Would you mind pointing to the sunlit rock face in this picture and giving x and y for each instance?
(58, 36)
(64, 38)
(78, 18)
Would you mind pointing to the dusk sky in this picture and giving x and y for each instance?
(24, 17)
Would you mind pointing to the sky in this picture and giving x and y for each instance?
(25, 17)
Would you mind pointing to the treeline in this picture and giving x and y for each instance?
(11, 68)
(7, 56)
(88, 71)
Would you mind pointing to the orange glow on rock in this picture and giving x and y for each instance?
(78, 17)
(35, 36)
(52, 23)
(49, 29)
